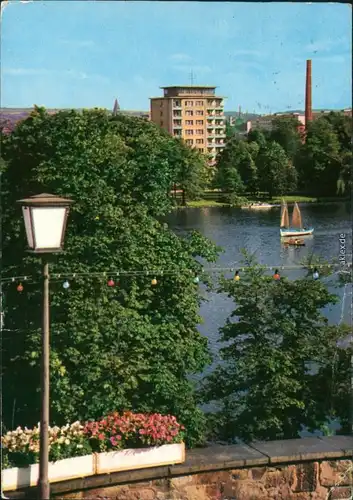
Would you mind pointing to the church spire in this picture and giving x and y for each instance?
(116, 107)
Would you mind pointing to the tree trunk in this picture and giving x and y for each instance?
(183, 202)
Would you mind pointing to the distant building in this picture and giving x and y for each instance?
(9, 117)
(265, 122)
(261, 123)
(196, 114)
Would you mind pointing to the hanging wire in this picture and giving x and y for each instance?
(156, 272)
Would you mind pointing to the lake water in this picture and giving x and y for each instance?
(258, 231)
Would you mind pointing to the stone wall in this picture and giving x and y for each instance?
(299, 469)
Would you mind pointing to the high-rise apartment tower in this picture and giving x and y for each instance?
(193, 113)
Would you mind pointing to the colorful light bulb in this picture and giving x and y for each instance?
(276, 276)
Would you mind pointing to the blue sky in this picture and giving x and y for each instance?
(84, 54)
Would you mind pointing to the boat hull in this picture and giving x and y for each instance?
(264, 206)
(296, 232)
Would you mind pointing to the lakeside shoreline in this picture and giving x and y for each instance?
(212, 203)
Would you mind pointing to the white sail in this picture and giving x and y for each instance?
(297, 217)
(284, 215)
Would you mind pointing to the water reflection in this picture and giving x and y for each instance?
(258, 232)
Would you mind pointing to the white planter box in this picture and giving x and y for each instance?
(12, 479)
(140, 458)
(69, 468)
(100, 463)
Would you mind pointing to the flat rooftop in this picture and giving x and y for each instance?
(189, 87)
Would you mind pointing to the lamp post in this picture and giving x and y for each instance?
(45, 217)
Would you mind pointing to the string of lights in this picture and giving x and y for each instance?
(162, 272)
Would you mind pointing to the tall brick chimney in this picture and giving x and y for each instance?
(308, 94)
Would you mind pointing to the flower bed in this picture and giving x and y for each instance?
(116, 442)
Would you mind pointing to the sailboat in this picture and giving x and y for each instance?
(296, 229)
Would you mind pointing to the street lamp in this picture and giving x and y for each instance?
(45, 217)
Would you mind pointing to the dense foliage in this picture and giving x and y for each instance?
(316, 162)
(266, 386)
(131, 346)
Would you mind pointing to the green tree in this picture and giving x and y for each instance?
(246, 167)
(276, 173)
(192, 175)
(258, 136)
(342, 126)
(230, 130)
(320, 163)
(265, 387)
(227, 177)
(285, 133)
(131, 346)
(331, 384)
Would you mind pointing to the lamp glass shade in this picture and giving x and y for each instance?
(45, 227)
(28, 226)
(45, 219)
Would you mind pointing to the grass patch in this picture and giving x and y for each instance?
(276, 200)
(292, 199)
(206, 203)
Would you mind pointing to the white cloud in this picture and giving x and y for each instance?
(76, 75)
(338, 59)
(324, 45)
(335, 59)
(254, 53)
(184, 68)
(180, 57)
(25, 71)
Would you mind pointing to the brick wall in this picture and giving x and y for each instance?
(299, 469)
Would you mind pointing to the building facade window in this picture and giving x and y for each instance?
(199, 141)
(199, 131)
(189, 132)
(199, 122)
(199, 103)
(189, 142)
(201, 150)
(177, 104)
(189, 122)
(177, 132)
(189, 103)
(189, 113)
(199, 112)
